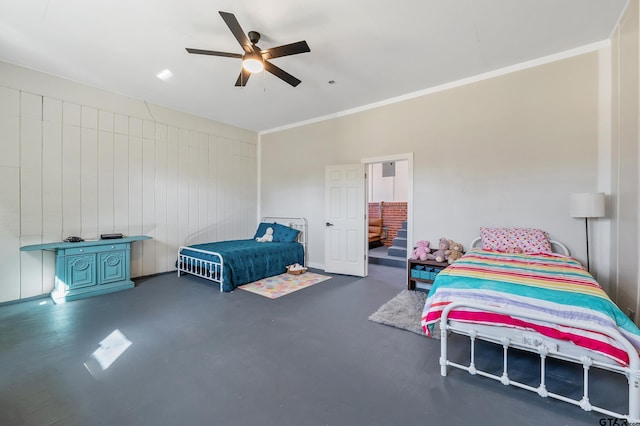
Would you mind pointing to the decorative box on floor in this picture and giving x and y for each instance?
(90, 268)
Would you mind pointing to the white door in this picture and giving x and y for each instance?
(345, 236)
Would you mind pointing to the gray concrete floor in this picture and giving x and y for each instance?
(201, 357)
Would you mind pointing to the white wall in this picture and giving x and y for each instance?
(624, 202)
(75, 160)
(506, 151)
(389, 188)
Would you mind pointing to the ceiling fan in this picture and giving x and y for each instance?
(254, 59)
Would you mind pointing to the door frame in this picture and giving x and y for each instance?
(396, 157)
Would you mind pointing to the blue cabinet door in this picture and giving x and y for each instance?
(80, 270)
(112, 267)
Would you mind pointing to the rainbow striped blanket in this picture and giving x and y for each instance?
(552, 285)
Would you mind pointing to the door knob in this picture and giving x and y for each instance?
(328, 224)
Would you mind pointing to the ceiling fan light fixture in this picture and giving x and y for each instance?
(252, 64)
(164, 75)
(255, 59)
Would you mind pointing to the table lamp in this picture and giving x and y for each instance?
(587, 205)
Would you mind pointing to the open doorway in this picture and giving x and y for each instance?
(388, 183)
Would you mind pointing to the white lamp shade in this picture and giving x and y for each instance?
(588, 204)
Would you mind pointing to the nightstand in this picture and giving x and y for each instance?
(421, 273)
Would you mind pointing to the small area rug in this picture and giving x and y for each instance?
(283, 284)
(404, 311)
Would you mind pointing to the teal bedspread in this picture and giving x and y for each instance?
(246, 261)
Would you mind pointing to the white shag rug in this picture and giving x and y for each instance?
(403, 311)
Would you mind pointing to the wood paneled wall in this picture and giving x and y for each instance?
(69, 169)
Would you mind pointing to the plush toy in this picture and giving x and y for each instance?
(455, 252)
(421, 251)
(440, 254)
(296, 269)
(267, 237)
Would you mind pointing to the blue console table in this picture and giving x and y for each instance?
(90, 268)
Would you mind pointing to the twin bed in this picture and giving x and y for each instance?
(514, 291)
(517, 293)
(236, 262)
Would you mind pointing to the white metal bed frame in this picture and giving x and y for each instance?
(212, 270)
(545, 347)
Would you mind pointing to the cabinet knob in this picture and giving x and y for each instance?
(81, 250)
(113, 247)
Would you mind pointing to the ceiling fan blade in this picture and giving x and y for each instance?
(280, 73)
(236, 30)
(243, 78)
(213, 53)
(286, 50)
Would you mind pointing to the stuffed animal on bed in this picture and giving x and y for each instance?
(267, 237)
(421, 251)
(440, 254)
(455, 252)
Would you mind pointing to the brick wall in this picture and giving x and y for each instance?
(393, 214)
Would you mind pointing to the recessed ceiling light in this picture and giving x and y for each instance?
(164, 75)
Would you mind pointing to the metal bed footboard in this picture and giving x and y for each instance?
(208, 269)
(544, 350)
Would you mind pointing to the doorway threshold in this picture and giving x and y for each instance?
(380, 256)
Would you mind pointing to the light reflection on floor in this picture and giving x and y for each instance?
(111, 347)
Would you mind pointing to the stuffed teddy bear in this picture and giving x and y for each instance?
(421, 251)
(440, 254)
(267, 237)
(455, 252)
